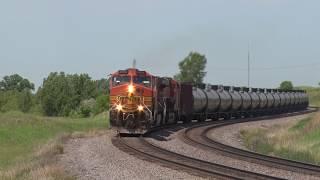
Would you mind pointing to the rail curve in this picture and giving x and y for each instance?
(147, 151)
(198, 136)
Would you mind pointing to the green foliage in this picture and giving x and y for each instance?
(255, 140)
(301, 124)
(313, 93)
(9, 100)
(286, 85)
(192, 68)
(102, 104)
(64, 95)
(102, 86)
(15, 94)
(92, 106)
(13, 100)
(25, 101)
(21, 134)
(298, 142)
(60, 93)
(87, 107)
(15, 82)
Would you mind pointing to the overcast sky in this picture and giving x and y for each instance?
(101, 36)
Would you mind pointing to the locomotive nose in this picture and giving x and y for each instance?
(131, 89)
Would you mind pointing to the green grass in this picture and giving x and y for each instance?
(21, 134)
(301, 124)
(299, 141)
(314, 94)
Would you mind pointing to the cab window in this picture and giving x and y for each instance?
(119, 80)
(143, 80)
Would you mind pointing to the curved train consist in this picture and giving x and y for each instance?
(140, 101)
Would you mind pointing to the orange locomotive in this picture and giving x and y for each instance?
(140, 101)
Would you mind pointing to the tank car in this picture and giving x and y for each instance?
(246, 101)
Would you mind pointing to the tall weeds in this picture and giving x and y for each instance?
(298, 141)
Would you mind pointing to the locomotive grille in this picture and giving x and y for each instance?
(130, 104)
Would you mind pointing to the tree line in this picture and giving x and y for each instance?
(59, 95)
(192, 70)
(78, 94)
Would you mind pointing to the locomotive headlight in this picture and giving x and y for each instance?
(131, 89)
(119, 107)
(140, 108)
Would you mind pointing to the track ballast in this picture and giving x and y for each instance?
(197, 136)
(147, 151)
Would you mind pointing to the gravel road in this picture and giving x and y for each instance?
(97, 158)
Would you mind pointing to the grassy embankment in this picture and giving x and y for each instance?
(314, 95)
(29, 143)
(298, 141)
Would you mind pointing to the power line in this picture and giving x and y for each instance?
(301, 66)
(289, 67)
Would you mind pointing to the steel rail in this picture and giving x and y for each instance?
(198, 136)
(147, 151)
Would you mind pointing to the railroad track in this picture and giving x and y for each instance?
(144, 150)
(198, 136)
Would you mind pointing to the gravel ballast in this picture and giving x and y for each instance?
(97, 158)
(173, 143)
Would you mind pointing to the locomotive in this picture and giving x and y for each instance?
(140, 101)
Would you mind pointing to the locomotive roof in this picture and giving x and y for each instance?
(131, 72)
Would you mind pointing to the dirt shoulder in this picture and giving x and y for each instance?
(97, 158)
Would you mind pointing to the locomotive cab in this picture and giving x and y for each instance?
(131, 101)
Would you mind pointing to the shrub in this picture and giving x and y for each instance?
(87, 107)
(102, 104)
(14, 100)
(60, 93)
(25, 101)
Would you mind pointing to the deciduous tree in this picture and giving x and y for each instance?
(192, 68)
(15, 82)
(286, 85)
(61, 93)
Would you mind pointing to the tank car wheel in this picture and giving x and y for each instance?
(228, 116)
(202, 118)
(186, 119)
(159, 119)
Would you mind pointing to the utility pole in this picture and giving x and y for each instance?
(248, 66)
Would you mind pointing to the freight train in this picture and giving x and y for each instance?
(140, 101)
